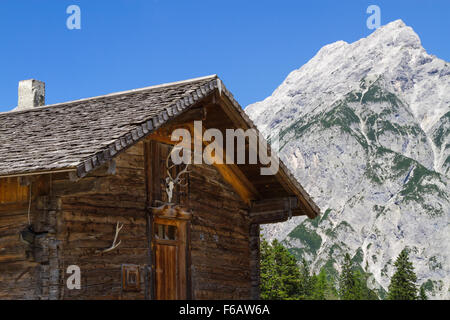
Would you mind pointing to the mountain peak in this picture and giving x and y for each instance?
(396, 33)
(364, 126)
(395, 24)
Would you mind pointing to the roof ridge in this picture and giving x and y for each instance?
(113, 94)
(144, 128)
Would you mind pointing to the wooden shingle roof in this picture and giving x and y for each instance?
(82, 135)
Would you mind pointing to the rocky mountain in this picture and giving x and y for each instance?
(365, 127)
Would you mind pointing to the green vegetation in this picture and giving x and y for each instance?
(442, 131)
(353, 282)
(403, 282)
(433, 264)
(422, 294)
(377, 94)
(309, 237)
(280, 276)
(329, 265)
(307, 282)
(283, 279)
(414, 189)
(378, 209)
(325, 215)
(341, 116)
(432, 286)
(347, 280)
(418, 180)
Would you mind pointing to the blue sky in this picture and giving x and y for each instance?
(126, 44)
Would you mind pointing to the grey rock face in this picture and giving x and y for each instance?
(365, 127)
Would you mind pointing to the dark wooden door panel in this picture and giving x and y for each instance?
(166, 272)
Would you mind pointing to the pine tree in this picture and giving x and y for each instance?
(321, 286)
(403, 282)
(280, 276)
(362, 291)
(422, 294)
(332, 293)
(353, 283)
(347, 281)
(306, 286)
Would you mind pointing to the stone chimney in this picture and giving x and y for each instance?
(31, 94)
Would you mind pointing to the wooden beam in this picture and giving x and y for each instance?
(234, 176)
(194, 114)
(230, 172)
(162, 136)
(272, 210)
(238, 181)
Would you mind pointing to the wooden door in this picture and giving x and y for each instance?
(169, 247)
(166, 271)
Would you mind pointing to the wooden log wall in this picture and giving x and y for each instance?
(18, 272)
(220, 231)
(80, 219)
(88, 223)
(25, 270)
(220, 254)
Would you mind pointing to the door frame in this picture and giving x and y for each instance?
(154, 166)
(183, 225)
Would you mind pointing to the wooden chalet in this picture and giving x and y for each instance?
(83, 183)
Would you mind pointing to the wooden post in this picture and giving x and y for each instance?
(152, 174)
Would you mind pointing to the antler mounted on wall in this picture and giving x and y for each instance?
(172, 182)
(114, 245)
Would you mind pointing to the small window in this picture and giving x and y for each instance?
(130, 277)
(165, 232)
